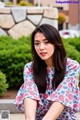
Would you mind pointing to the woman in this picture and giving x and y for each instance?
(50, 90)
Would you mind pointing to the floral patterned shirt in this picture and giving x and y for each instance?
(66, 93)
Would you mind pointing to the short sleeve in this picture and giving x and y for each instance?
(28, 89)
(67, 91)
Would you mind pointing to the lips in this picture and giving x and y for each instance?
(42, 54)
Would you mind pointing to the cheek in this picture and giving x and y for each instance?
(36, 49)
(51, 49)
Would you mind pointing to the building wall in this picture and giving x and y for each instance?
(52, 3)
(64, 8)
(74, 16)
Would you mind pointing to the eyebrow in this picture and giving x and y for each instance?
(38, 40)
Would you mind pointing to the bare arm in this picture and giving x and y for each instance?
(30, 108)
(54, 111)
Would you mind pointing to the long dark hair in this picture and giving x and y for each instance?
(59, 58)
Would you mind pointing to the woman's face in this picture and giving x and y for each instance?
(43, 48)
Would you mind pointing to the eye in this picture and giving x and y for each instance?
(46, 42)
(36, 43)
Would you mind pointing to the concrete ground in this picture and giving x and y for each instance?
(20, 116)
(14, 113)
(78, 115)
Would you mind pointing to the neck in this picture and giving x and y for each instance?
(49, 64)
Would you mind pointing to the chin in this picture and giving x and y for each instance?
(44, 58)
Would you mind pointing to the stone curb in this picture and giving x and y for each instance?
(7, 104)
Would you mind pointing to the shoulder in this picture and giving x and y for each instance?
(72, 71)
(28, 66)
(72, 64)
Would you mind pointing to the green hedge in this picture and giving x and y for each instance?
(72, 46)
(72, 52)
(24, 3)
(74, 41)
(15, 53)
(3, 84)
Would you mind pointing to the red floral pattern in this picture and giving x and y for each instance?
(66, 93)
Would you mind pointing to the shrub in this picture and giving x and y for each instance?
(61, 18)
(14, 54)
(73, 48)
(74, 41)
(72, 52)
(9, 3)
(24, 3)
(3, 84)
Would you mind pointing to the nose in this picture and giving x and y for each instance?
(41, 46)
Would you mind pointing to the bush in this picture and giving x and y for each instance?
(73, 48)
(9, 3)
(3, 84)
(24, 3)
(14, 54)
(72, 52)
(61, 18)
(75, 42)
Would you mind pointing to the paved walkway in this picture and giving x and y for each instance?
(21, 117)
(78, 114)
